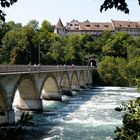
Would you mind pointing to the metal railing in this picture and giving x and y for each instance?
(7, 68)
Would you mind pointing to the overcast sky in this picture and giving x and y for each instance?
(25, 10)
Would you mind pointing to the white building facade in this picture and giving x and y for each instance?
(97, 28)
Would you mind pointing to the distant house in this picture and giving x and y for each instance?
(97, 28)
(131, 27)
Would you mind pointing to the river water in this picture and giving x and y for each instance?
(88, 115)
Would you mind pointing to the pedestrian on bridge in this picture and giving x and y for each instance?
(38, 67)
(29, 67)
(35, 66)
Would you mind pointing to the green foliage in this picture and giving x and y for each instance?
(9, 42)
(132, 71)
(4, 4)
(112, 71)
(117, 4)
(72, 50)
(46, 25)
(131, 121)
(22, 41)
(16, 56)
(57, 52)
(25, 119)
(33, 24)
(117, 45)
(132, 52)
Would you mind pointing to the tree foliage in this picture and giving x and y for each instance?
(117, 45)
(25, 119)
(4, 4)
(112, 71)
(132, 71)
(117, 4)
(131, 121)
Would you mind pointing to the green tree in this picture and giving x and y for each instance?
(117, 45)
(46, 25)
(4, 4)
(45, 37)
(132, 52)
(20, 40)
(132, 71)
(131, 121)
(16, 56)
(112, 71)
(117, 4)
(57, 52)
(11, 24)
(33, 24)
(73, 49)
(8, 43)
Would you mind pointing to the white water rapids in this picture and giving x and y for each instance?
(88, 115)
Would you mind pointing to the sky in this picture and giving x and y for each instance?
(26, 10)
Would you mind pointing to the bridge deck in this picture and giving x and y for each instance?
(5, 69)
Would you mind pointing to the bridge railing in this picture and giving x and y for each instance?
(26, 68)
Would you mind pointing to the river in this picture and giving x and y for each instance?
(88, 115)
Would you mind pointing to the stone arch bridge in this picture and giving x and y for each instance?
(37, 83)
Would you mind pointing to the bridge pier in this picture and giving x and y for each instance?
(82, 86)
(75, 87)
(31, 105)
(51, 95)
(67, 91)
(7, 117)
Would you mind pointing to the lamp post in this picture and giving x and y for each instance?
(39, 51)
(39, 54)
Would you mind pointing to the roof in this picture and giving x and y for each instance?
(74, 25)
(59, 24)
(96, 26)
(125, 24)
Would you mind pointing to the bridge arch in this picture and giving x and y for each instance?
(50, 88)
(65, 84)
(26, 94)
(75, 81)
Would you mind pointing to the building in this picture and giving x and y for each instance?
(59, 28)
(131, 27)
(97, 28)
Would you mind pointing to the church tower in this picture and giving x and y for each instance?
(59, 28)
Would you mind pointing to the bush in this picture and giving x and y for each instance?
(131, 121)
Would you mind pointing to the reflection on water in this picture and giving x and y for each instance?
(89, 115)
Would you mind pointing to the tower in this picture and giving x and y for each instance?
(59, 28)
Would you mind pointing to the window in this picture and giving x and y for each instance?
(97, 25)
(76, 24)
(106, 25)
(87, 25)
